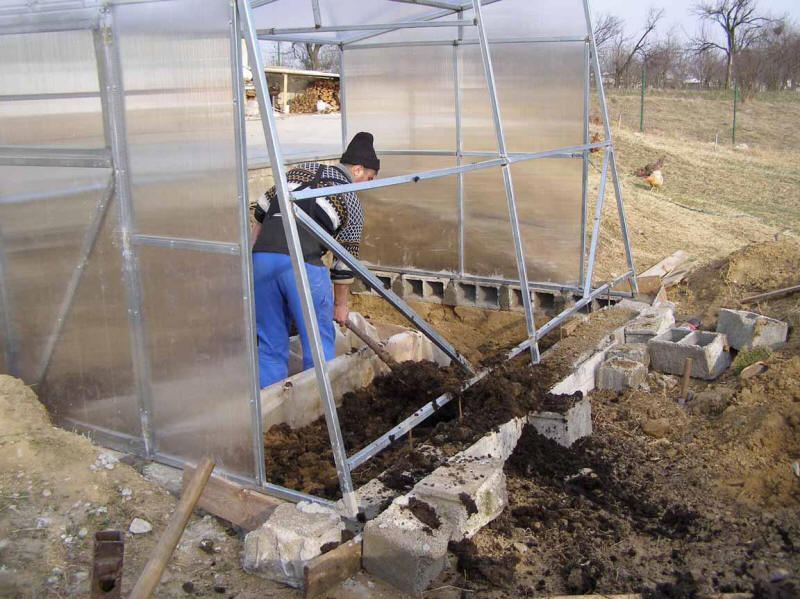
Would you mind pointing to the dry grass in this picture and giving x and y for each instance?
(715, 198)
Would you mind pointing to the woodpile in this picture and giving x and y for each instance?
(326, 90)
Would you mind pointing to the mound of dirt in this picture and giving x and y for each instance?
(754, 269)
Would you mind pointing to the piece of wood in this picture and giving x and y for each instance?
(232, 502)
(667, 265)
(647, 285)
(154, 568)
(325, 570)
(661, 296)
(678, 275)
(771, 294)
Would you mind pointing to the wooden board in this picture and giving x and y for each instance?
(325, 570)
(235, 503)
(667, 265)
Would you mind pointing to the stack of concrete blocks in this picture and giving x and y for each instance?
(625, 367)
(291, 536)
(490, 296)
(651, 322)
(668, 352)
(746, 330)
(466, 494)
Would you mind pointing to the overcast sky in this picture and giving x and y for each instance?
(678, 14)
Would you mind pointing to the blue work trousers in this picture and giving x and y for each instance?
(278, 304)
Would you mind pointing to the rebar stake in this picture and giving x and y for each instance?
(460, 412)
(687, 372)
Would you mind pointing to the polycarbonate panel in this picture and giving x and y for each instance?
(192, 307)
(404, 96)
(548, 197)
(540, 91)
(42, 230)
(179, 116)
(90, 380)
(34, 67)
(412, 225)
(525, 18)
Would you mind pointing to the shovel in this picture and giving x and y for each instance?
(372, 344)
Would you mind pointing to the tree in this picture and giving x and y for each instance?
(606, 28)
(741, 25)
(316, 57)
(624, 51)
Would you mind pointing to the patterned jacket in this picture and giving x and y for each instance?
(340, 215)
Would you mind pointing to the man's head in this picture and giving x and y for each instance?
(360, 158)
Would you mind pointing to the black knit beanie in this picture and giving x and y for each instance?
(361, 151)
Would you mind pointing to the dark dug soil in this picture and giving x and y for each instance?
(302, 459)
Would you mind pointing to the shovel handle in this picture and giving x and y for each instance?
(372, 344)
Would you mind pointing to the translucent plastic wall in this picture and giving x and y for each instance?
(197, 382)
(406, 95)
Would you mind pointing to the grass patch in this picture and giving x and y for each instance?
(746, 357)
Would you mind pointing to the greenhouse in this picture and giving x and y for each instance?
(126, 293)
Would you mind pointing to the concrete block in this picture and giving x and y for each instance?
(467, 494)
(488, 296)
(637, 352)
(566, 428)
(618, 373)
(403, 551)
(291, 536)
(413, 345)
(498, 444)
(636, 306)
(749, 329)
(461, 293)
(669, 351)
(650, 323)
(421, 288)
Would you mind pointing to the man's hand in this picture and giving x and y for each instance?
(340, 310)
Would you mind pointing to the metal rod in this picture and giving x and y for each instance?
(43, 21)
(9, 341)
(276, 31)
(298, 266)
(180, 243)
(324, 237)
(248, 297)
(397, 432)
(598, 212)
(54, 157)
(436, 14)
(520, 157)
(317, 16)
(509, 187)
(89, 243)
(411, 178)
(511, 40)
(110, 78)
(343, 99)
(459, 149)
(432, 3)
(598, 76)
(565, 152)
(585, 160)
(558, 319)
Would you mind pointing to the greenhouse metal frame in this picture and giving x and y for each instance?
(114, 157)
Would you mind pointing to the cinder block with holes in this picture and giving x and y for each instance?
(668, 352)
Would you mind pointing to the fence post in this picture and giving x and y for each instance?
(735, 98)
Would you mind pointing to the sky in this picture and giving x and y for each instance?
(678, 15)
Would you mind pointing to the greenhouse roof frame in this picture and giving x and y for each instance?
(243, 24)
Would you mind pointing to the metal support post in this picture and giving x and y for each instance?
(7, 328)
(585, 154)
(89, 243)
(349, 498)
(342, 99)
(109, 72)
(598, 75)
(244, 243)
(322, 235)
(512, 207)
(598, 213)
(459, 158)
(317, 17)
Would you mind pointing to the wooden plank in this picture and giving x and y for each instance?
(771, 294)
(232, 502)
(667, 265)
(678, 274)
(325, 570)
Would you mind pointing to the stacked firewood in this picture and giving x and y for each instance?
(326, 90)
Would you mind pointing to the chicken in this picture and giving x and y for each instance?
(655, 179)
(595, 139)
(649, 169)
